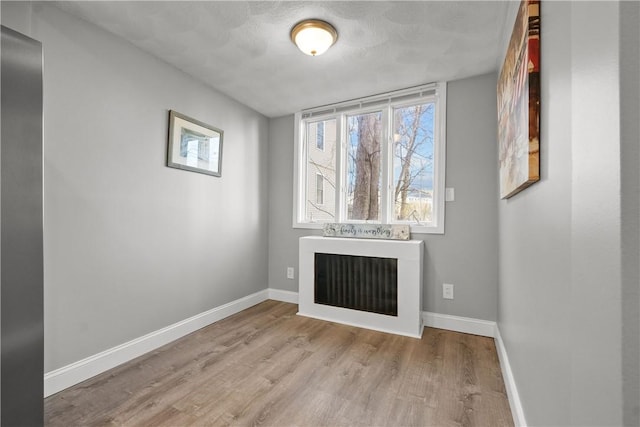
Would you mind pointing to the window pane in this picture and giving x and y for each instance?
(320, 135)
(319, 189)
(321, 171)
(363, 166)
(413, 171)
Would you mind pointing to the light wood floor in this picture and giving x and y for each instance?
(267, 366)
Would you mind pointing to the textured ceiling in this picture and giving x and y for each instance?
(243, 48)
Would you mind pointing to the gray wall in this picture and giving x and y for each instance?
(130, 245)
(560, 308)
(467, 254)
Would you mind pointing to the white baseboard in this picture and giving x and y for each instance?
(509, 382)
(84, 369)
(362, 325)
(467, 325)
(284, 296)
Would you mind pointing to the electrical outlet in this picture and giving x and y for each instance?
(290, 273)
(447, 291)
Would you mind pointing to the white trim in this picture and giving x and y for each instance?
(363, 325)
(517, 411)
(91, 366)
(298, 167)
(284, 296)
(467, 325)
(440, 150)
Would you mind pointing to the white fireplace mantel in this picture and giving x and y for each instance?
(409, 254)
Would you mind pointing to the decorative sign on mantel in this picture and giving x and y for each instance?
(368, 231)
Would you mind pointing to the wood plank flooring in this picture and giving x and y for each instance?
(268, 366)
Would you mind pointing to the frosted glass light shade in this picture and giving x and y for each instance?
(314, 36)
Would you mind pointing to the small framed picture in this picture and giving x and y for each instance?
(193, 145)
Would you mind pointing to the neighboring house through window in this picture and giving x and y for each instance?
(319, 189)
(320, 135)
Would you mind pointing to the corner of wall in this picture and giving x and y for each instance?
(17, 15)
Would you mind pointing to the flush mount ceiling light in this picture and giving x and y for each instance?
(313, 36)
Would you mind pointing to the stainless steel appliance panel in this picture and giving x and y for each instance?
(21, 246)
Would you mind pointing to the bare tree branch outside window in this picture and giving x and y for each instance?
(364, 140)
(413, 162)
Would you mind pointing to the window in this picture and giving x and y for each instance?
(319, 189)
(412, 162)
(320, 135)
(382, 161)
(319, 181)
(364, 135)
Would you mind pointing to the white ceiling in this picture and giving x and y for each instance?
(243, 48)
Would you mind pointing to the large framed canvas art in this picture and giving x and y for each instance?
(519, 104)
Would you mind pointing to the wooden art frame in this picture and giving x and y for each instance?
(519, 104)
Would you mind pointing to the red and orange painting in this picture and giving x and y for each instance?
(519, 104)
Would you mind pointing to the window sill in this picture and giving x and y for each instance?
(415, 229)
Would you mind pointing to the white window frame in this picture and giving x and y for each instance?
(436, 92)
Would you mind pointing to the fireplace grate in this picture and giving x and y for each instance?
(357, 282)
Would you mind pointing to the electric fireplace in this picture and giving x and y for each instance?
(375, 284)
